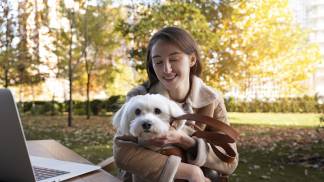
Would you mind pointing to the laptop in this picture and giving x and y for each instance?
(15, 162)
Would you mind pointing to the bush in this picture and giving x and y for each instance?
(41, 107)
(304, 104)
(96, 106)
(115, 102)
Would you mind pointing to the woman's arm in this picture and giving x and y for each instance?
(191, 173)
(144, 163)
(203, 155)
(199, 152)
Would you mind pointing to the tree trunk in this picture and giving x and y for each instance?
(6, 77)
(88, 67)
(53, 105)
(33, 98)
(70, 72)
(88, 96)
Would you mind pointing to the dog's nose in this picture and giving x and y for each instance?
(146, 125)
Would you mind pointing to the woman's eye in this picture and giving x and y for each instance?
(173, 60)
(157, 111)
(158, 62)
(137, 112)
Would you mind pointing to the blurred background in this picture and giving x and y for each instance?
(70, 63)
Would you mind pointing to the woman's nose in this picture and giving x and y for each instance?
(167, 67)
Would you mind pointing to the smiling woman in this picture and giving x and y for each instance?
(173, 68)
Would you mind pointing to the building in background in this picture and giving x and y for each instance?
(310, 14)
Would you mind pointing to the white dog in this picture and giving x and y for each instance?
(145, 116)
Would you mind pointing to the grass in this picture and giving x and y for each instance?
(279, 119)
(92, 139)
(270, 148)
(261, 165)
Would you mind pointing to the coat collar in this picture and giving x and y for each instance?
(200, 94)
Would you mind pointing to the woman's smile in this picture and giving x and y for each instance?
(170, 78)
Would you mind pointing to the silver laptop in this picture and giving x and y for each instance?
(15, 162)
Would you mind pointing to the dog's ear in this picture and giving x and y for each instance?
(117, 116)
(120, 120)
(176, 111)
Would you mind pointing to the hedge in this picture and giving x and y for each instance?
(304, 104)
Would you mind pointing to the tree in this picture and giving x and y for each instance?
(27, 62)
(240, 40)
(151, 19)
(6, 42)
(99, 39)
(256, 40)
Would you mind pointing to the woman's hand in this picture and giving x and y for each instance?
(191, 173)
(172, 137)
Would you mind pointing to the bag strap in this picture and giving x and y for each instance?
(215, 124)
(222, 135)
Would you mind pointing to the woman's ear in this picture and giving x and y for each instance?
(192, 60)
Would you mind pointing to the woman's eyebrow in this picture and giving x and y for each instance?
(156, 56)
(171, 54)
(174, 53)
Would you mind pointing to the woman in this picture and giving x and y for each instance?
(173, 68)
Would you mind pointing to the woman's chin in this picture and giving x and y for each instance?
(170, 84)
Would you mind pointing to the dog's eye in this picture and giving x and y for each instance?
(137, 112)
(157, 111)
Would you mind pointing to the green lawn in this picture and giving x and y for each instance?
(268, 151)
(282, 119)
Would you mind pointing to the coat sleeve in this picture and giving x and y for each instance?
(204, 155)
(144, 163)
(139, 90)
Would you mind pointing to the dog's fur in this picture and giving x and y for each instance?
(145, 116)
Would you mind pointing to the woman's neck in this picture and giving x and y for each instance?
(181, 93)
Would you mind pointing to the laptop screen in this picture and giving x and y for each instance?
(14, 158)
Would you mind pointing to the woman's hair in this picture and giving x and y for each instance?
(178, 37)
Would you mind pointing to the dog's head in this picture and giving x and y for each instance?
(147, 115)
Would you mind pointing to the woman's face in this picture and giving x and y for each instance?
(171, 65)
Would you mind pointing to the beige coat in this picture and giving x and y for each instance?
(147, 165)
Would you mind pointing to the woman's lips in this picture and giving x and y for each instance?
(169, 78)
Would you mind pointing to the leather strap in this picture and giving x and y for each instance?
(215, 124)
(222, 135)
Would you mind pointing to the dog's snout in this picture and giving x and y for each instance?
(146, 125)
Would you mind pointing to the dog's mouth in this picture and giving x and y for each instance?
(147, 130)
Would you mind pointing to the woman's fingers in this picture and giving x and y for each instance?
(207, 179)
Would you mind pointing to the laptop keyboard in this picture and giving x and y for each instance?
(45, 173)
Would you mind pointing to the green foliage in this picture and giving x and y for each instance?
(112, 104)
(119, 79)
(239, 40)
(42, 108)
(97, 107)
(183, 15)
(115, 102)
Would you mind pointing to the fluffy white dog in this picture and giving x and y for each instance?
(145, 116)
